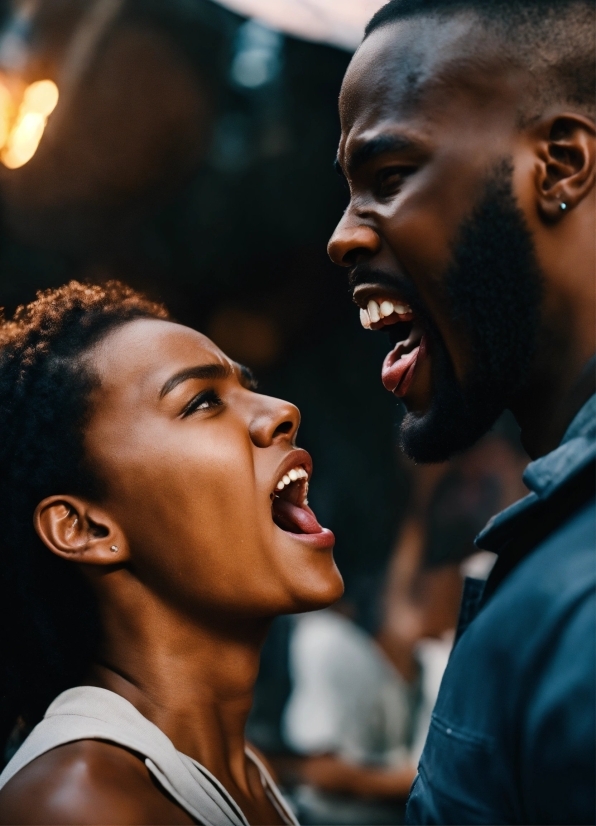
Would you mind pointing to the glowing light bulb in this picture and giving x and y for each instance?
(39, 101)
(41, 97)
(23, 140)
(6, 113)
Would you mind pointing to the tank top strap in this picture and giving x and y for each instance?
(91, 713)
(273, 793)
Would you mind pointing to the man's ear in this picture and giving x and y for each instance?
(80, 532)
(565, 172)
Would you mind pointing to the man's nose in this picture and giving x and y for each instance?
(273, 420)
(352, 242)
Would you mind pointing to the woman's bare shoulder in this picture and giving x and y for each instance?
(87, 782)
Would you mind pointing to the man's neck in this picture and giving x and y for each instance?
(548, 408)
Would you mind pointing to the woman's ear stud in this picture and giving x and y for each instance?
(113, 548)
(563, 206)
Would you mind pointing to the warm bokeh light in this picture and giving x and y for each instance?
(19, 143)
(6, 113)
(41, 97)
(23, 140)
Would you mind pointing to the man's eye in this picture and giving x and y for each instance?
(389, 180)
(205, 400)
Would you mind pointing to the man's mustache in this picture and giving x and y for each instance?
(363, 274)
(406, 289)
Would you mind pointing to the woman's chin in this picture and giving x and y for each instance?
(307, 568)
(318, 592)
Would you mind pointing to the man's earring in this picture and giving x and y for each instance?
(114, 548)
(563, 206)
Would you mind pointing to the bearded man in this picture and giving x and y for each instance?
(468, 145)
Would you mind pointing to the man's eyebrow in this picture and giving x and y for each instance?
(200, 371)
(377, 146)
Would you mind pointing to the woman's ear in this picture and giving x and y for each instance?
(565, 172)
(75, 530)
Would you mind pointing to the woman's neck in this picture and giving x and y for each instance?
(192, 679)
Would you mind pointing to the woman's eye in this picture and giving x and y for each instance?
(202, 401)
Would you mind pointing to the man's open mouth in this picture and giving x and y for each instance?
(290, 504)
(380, 311)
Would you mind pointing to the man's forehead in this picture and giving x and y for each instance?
(427, 81)
(398, 64)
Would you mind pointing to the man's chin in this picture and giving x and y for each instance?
(444, 430)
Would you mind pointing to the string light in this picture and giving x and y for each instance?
(20, 135)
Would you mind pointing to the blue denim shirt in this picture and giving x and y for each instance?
(512, 737)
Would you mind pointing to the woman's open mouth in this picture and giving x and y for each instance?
(290, 509)
(379, 311)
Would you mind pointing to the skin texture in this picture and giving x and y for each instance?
(199, 572)
(92, 782)
(420, 81)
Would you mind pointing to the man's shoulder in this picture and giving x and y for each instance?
(87, 781)
(519, 691)
(534, 614)
(558, 573)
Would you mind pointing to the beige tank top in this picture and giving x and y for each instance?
(90, 713)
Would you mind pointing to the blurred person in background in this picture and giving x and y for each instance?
(361, 703)
(468, 145)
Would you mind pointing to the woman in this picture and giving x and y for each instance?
(154, 522)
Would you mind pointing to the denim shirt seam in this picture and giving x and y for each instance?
(486, 741)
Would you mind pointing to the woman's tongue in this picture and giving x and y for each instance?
(295, 519)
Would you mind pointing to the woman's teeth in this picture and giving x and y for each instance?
(291, 476)
(377, 310)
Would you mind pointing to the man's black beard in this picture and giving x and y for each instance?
(494, 290)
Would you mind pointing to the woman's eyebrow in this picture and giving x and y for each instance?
(200, 371)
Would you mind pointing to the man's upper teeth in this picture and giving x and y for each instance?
(365, 319)
(292, 476)
(375, 311)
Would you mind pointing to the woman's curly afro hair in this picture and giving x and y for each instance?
(49, 625)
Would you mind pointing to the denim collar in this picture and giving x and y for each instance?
(546, 475)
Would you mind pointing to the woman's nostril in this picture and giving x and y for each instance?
(278, 421)
(283, 429)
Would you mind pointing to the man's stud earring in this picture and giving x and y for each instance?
(113, 548)
(563, 206)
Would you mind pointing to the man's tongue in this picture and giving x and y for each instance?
(399, 367)
(295, 519)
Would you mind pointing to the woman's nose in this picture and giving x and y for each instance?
(274, 420)
(352, 241)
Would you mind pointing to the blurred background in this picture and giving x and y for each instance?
(186, 147)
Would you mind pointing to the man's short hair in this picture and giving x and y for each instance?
(552, 39)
